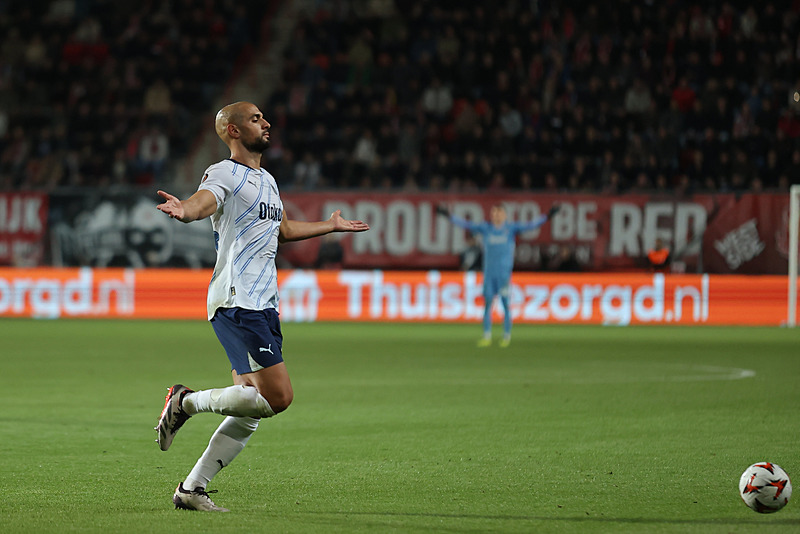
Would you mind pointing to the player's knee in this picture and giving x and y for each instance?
(274, 400)
(281, 400)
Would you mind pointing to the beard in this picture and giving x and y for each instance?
(258, 145)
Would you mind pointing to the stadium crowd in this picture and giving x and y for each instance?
(560, 96)
(98, 92)
(416, 94)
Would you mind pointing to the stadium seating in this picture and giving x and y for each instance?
(413, 95)
(97, 93)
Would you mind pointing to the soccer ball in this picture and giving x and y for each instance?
(765, 487)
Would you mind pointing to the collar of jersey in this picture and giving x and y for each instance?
(242, 164)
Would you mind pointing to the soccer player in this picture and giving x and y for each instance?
(499, 240)
(247, 217)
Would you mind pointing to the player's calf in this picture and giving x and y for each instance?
(237, 401)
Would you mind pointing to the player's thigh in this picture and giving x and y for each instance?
(504, 288)
(496, 286)
(491, 287)
(253, 342)
(252, 338)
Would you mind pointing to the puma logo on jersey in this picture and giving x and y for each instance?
(268, 349)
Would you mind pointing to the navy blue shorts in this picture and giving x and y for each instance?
(251, 338)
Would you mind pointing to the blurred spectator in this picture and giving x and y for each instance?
(330, 254)
(158, 98)
(684, 96)
(471, 258)
(365, 151)
(510, 120)
(638, 99)
(659, 257)
(153, 153)
(564, 260)
(307, 172)
(437, 100)
(408, 143)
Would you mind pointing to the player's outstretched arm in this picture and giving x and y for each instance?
(537, 222)
(198, 206)
(299, 230)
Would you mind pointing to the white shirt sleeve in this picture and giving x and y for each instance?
(219, 182)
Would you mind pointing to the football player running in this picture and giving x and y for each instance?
(247, 217)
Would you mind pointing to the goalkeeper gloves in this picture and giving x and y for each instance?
(441, 210)
(553, 211)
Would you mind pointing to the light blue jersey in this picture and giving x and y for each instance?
(499, 243)
(246, 224)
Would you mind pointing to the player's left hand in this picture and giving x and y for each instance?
(553, 210)
(172, 207)
(344, 225)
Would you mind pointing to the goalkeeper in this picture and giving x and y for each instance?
(499, 240)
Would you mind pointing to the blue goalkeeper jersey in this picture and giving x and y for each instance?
(498, 243)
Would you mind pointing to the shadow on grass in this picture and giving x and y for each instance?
(576, 519)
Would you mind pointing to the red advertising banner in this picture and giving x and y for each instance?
(424, 296)
(720, 233)
(749, 234)
(23, 222)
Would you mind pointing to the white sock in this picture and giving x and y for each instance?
(238, 401)
(229, 439)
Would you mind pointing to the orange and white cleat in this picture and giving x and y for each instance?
(172, 417)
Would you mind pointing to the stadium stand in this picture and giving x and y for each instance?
(414, 94)
(97, 93)
(567, 96)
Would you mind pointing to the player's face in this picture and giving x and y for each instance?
(497, 215)
(255, 131)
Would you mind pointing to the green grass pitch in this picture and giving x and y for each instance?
(404, 428)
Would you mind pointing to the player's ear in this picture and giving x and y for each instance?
(233, 131)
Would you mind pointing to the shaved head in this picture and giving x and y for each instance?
(243, 128)
(230, 114)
